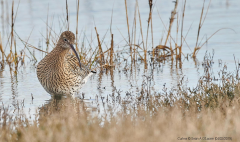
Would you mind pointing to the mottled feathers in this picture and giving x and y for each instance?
(61, 73)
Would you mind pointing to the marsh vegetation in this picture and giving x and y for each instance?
(144, 106)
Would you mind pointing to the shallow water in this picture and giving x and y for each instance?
(32, 16)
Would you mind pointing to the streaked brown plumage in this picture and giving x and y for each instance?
(61, 73)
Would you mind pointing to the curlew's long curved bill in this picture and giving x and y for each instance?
(75, 52)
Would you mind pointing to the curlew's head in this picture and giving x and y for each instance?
(66, 41)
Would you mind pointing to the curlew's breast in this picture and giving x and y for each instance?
(62, 77)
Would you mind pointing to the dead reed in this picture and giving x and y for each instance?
(129, 41)
(1, 48)
(180, 47)
(101, 55)
(173, 13)
(77, 26)
(199, 27)
(105, 58)
(67, 18)
(11, 57)
(111, 51)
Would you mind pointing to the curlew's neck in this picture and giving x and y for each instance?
(59, 51)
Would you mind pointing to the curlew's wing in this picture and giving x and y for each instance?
(75, 68)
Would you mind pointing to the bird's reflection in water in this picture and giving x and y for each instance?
(63, 104)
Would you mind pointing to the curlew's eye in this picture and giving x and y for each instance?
(65, 39)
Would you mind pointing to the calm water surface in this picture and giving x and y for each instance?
(31, 21)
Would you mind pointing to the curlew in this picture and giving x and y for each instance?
(61, 73)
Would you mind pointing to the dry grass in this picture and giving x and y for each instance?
(67, 120)
(208, 110)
